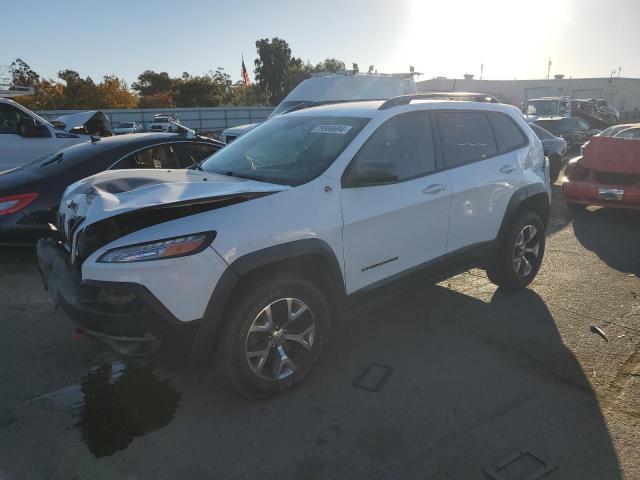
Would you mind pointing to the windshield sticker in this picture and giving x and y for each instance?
(339, 129)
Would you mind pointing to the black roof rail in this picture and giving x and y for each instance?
(455, 96)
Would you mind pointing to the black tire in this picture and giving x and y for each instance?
(555, 165)
(503, 272)
(245, 308)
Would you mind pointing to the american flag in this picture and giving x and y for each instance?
(245, 74)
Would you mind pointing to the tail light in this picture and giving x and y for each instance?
(576, 172)
(15, 203)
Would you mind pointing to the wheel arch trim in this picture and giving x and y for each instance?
(213, 320)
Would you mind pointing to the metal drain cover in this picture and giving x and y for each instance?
(373, 377)
(521, 465)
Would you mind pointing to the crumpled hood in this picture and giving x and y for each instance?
(117, 192)
(91, 121)
(610, 154)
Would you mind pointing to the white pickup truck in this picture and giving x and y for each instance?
(26, 136)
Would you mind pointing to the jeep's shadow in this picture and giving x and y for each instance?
(613, 234)
(471, 383)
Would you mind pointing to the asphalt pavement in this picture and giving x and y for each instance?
(455, 381)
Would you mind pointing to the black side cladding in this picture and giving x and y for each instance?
(106, 231)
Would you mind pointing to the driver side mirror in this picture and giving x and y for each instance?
(28, 128)
(370, 173)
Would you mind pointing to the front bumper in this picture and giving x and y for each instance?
(586, 193)
(124, 316)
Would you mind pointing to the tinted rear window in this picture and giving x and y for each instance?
(508, 134)
(466, 137)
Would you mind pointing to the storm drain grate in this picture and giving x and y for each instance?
(373, 377)
(522, 465)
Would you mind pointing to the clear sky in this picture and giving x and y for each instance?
(512, 38)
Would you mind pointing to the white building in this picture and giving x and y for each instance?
(621, 93)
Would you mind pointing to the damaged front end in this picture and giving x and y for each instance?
(104, 208)
(97, 211)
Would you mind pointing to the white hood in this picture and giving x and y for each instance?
(114, 192)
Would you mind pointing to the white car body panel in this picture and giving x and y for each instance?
(398, 224)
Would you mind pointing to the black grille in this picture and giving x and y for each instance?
(614, 178)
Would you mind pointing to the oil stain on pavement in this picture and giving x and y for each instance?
(117, 408)
(114, 403)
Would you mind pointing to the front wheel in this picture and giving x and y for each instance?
(276, 328)
(520, 255)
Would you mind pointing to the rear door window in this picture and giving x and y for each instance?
(465, 137)
(161, 156)
(508, 134)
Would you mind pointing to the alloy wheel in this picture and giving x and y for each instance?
(280, 339)
(526, 250)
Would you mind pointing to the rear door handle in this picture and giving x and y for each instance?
(507, 169)
(435, 188)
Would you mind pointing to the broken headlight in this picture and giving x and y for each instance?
(159, 249)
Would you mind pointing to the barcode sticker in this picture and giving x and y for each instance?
(339, 129)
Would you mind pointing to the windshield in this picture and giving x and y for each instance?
(287, 150)
(284, 106)
(574, 124)
(542, 107)
(124, 125)
(161, 120)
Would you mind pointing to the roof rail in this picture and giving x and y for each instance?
(313, 103)
(455, 96)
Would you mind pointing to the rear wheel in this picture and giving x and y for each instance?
(276, 329)
(520, 254)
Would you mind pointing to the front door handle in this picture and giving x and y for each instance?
(435, 188)
(507, 169)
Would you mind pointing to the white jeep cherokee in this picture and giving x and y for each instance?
(271, 238)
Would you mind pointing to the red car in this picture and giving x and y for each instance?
(607, 174)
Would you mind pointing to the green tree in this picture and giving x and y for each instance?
(272, 68)
(151, 83)
(331, 65)
(22, 74)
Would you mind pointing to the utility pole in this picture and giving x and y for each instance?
(481, 70)
(549, 69)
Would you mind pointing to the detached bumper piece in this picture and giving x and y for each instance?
(125, 317)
